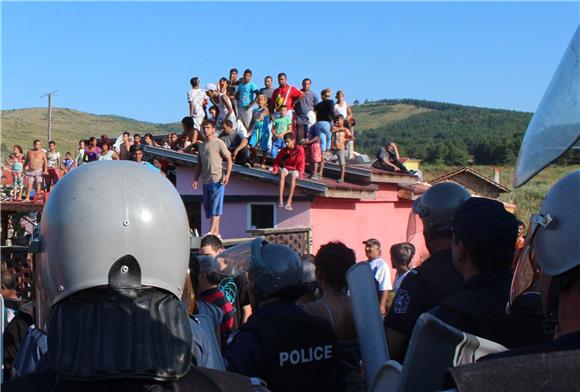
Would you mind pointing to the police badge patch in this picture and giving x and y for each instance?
(401, 302)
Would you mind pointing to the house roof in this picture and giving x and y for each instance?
(448, 176)
(324, 187)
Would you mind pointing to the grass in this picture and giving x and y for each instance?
(528, 197)
(22, 126)
(370, 116)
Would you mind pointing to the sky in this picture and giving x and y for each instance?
(135, 59)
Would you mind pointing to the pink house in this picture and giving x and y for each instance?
(371, 203)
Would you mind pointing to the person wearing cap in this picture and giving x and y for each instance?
(483, 246)
(437, 278)
(381, 272)
(223, 104)
(197, 101)
(282, 344)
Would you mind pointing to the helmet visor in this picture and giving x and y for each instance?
(414, 228)
(555, 127)
(236, 260)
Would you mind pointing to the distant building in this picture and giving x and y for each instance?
(476, 183)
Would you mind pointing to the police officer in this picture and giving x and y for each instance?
(484, 237)
(553, 244)
(429, 284)
(114, 249)
(280, 343)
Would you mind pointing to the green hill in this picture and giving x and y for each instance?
(435, 132)
(22, 126)
(442, 133)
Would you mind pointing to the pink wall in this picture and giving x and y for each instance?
(350, 221)
(235, 215)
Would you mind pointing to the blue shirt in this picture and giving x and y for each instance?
(247, 93)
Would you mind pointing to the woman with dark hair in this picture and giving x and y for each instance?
(332, 262)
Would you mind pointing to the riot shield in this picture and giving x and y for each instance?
(367, 318)
(436, 346)
(555, 127)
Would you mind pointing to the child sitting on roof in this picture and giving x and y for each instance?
(289, 161)
(282, 126)
(340, 134)
(314, 154)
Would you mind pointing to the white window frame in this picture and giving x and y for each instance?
(249, 213)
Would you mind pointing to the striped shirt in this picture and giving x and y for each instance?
(216, 297)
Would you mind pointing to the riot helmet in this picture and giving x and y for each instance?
(552, 243)
(272, 267)
(114, 224)
(435, 209)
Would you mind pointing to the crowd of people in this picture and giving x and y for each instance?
(286, 129)
(290, 322)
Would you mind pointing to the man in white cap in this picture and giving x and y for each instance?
(223, 103)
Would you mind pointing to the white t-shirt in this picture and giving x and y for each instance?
(399, 280)
(52, 158)
(197, 96)
(382, 274)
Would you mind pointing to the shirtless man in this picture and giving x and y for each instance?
(35, 166)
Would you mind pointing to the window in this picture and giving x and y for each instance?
(261, 216)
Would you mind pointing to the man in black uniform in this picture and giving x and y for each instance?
(280, 343)
(436, 279)
(484, 237)
(108, 292)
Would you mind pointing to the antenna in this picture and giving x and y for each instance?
(49, 95)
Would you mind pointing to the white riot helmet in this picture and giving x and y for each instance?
(110, 215)
(435, 209)
(552, 242)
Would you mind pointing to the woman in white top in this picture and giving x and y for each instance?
(343, 108)
(107, 154)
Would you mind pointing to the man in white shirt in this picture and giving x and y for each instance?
(401, 256)
(197, 100)
(381, 271)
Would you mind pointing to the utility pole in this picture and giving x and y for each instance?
(49, 95)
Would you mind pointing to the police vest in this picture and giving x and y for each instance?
(298, 349)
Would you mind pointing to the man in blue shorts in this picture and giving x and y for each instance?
(212, 153)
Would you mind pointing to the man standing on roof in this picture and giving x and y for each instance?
(246, 96)
(285, 95)
(212, 153)
(380, 270)
(197, 100)
(305, 110)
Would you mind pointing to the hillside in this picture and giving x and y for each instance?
(22, 126)
(437, 133)
(442, 133)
